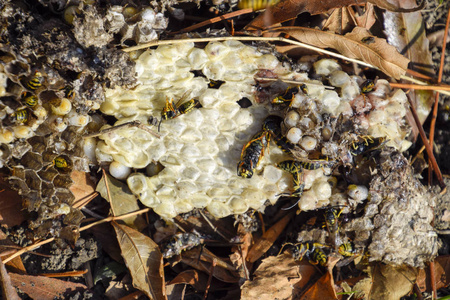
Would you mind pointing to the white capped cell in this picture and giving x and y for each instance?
(330, 101)
(166, 209)
(292, 118)
(6, 136)
(308, 201)
(119, 171)
(216, 50)
(308, 143)
(197, 58)
(326, 66)
(237, 205)
(294, 135)
(339, 78)
(21, 132)
(219, 209)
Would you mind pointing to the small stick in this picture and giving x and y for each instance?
(137, 124)
(215, 20)
(427, 146)
(295, 82)
(436, 87)
(436, 99)
(213, 265)
(212, 226)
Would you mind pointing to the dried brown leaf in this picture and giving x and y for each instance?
(289, 9)
(82, 188)
(368, 18)
(202, 259)
(122, 201)
(43, 288)
(11, 212)
(390, 282)
(266, 241)
(377, 52)
(16, 263)
(321, 289)
(143, 259)
(442, 274)
(273, 279)
(8, 292)
(192, 277)
(340, 21)
(406, 32)
(104, 234)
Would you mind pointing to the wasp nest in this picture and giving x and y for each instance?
(199, 150)
(396, 223)
(48, 85)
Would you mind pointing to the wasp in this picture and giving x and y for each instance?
(347, 249)
(332, 219)
(287, 97)
(20, 116)
(272, 124)
(188, 106)
(291, 166)
(318, 257)
(60, 162)
(35, 81)
(367, 143)
(68, 92)
(181, 242)
(256, 4)
(311, 250)
(172, 110)
(317, 163)
(252, 154)
(29, 99)
(215, 84)
(367, 86)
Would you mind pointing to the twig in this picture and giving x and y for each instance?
(433, 280)
(427, 146)
(437, 88)
(295, 82)
(215, 20)
(137, 124)
(109, 219)
(436, 98)
(213, 265)
(420, 82)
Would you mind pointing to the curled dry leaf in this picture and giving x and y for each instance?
(196, 279)
(273, 279)
(391, 282)
(442, 274)
(354, 45)
(202, 259)
(43, 288)
(407, 34)
(122, 200)
(143, 259)
(8, 291)
(266, 241)
(289, 9)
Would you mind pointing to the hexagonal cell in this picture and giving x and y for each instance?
(32, 201)
(48, 189)
(19, 185)
(63, 181)
(48, 174)
(32, 160)
(33, 181)
(64, 195)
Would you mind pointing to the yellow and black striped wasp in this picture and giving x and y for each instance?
(272, 124)
(367, 86)
(256, 4)
(35, 81)
(20, 116)
(62, 163)
(252, 153)
(296, 169)
(289, 94)
(366, 143)
(347, 249)
(172, 110)
(29, 99)
(312, 251)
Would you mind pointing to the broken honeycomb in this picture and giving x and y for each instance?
(199, 150)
